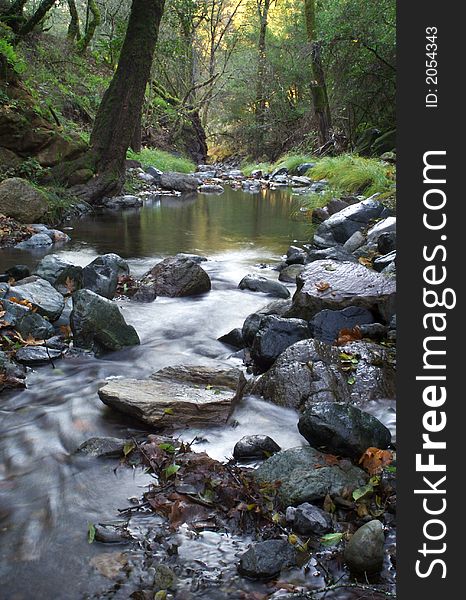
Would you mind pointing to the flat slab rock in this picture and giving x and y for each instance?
(175, 396)
(336, 285)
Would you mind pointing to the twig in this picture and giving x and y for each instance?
(315, 594)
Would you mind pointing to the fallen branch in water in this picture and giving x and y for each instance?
(316, 594)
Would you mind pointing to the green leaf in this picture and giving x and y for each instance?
(351, 380)
(362, 491)
(168, 411)
(171, 470)
(331, 539)
(128, 447)
(209, 387)
(168, 447)
(90, 533)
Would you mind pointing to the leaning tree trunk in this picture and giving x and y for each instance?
(120, 109)
(318, 86)
(91, 26)
(37, 17)
(73, 28)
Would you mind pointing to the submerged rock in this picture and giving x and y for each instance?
(262, 284)
(175, 396)
(37, 355)
(365, 551)
(265, 560)
(97, 323)
(342, 429)
(306, 475)
(255, 446)
(175, 276)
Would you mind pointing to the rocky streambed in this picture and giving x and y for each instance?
(220, 421)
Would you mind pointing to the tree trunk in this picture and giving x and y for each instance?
(318, 86)
(91, 26)
(37, 17)
(73, 28)
(13, 15)
(120, 109)
(136, 140)
(263, 7)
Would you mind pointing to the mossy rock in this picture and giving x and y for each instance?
(22, 201)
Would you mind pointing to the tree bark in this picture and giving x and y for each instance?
(37, 17)
(73, 28)
(263, 7)
(91, 26)
(318, 86)
(121, 106)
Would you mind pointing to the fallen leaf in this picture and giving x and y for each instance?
(322, 286)
(374, 460)
(345, 336)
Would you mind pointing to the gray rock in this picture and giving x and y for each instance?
(18, 272)
(342, 429)
(319, 215)
(102, 447)
(146, 177)
(252, 323)
(374, 331)
(337, 253)
(318, 186)
(197, 258)
(14, 312)
(33, 324)
(386, 242)
(255, 446)
(122, 202)
(304, 168)
(203, 168)
(336, 205)
(12, 374)
(387, 225)
(233, 338)
(43, 297)
(341, 226)
(101, 275)
(347, 284)
(37, 355)
(311, 371)
(354, 242)
(364, 552)
(63, 275)
(38, 240)
(274, 335)
(257, 174)
(174, 277)
(301, 181)
(327, 324)
(280, 172)
(295, 256)
(175, 396)
(311, 520)
(179, 182)
(21, 200)
(97, 323)
(381, 262)
(290, 272)
(210, 189)
(206, 175)
(155, 173)
(262, 284)
(234, 174)
(265, 560)
(306, 475)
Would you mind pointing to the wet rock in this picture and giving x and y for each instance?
(274, 335)
(335, 285)
(175, 396)
(18, 272)
(179, 182)
(337, 253)
(63, 275)
(12, 375)
(387, 225)
(34, 325)
(295, 256)
(37, 355)
(255, 446)
(374, 331)
(101, 275)
(43, 297)
(102, 447)
(108, 533)
(253, 322)
(155, 173)
(289, 273)
(354, 242)
(210, 189)
(336, 205)
(14, 312)
(342, 429)
(311, 371)
(174, 277)
(197, 258)
(38, 240)
(233, 338)
(311, 520)
(233, 174)
(257, 174)
(97, 323)
(265, 560)
(341, 226)
(386, 243)
(365, 551)
(280, 172)
(306, 475)
(21, 200)
(327, 324)
(262, 284)
(122, 202)
(165, 578)
(381, 262)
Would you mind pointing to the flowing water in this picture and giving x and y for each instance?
(48, 495)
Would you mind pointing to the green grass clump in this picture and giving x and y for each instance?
(355, 174)
(162, 160)
(292, 161)
(248, 168)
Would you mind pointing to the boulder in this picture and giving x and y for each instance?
(342, 429)
(328, 284)
(300, 181)
(97, 323)
(179, 182)
(38, 240)
(265, 560)
(14, 312)
(175, 277)
(43, 297)
(364, 552)
(327, 324)
(311, 371)
(319, 215)
(266, 286)
(34, 325)
(274, 335)
(63, 275)
(255, 446)
(311, 520)
(336, 205)
(336, 253)
(303, 168)
(280, 172)
(307, 475)
(37, 355)
(387, 225)
(341, 226)
(354, 242)
(381, 262)
(21, 200)
(101, 275)
(295, 256)
(175, 396)
(12, 375)
(233, 338)
(122, 202)
(289, 273)
(210, 189)
(374, 331)
(155, 173)
(252, 323)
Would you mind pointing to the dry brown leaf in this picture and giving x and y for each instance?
(345, 336)
(322, 286)
(374, 460)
